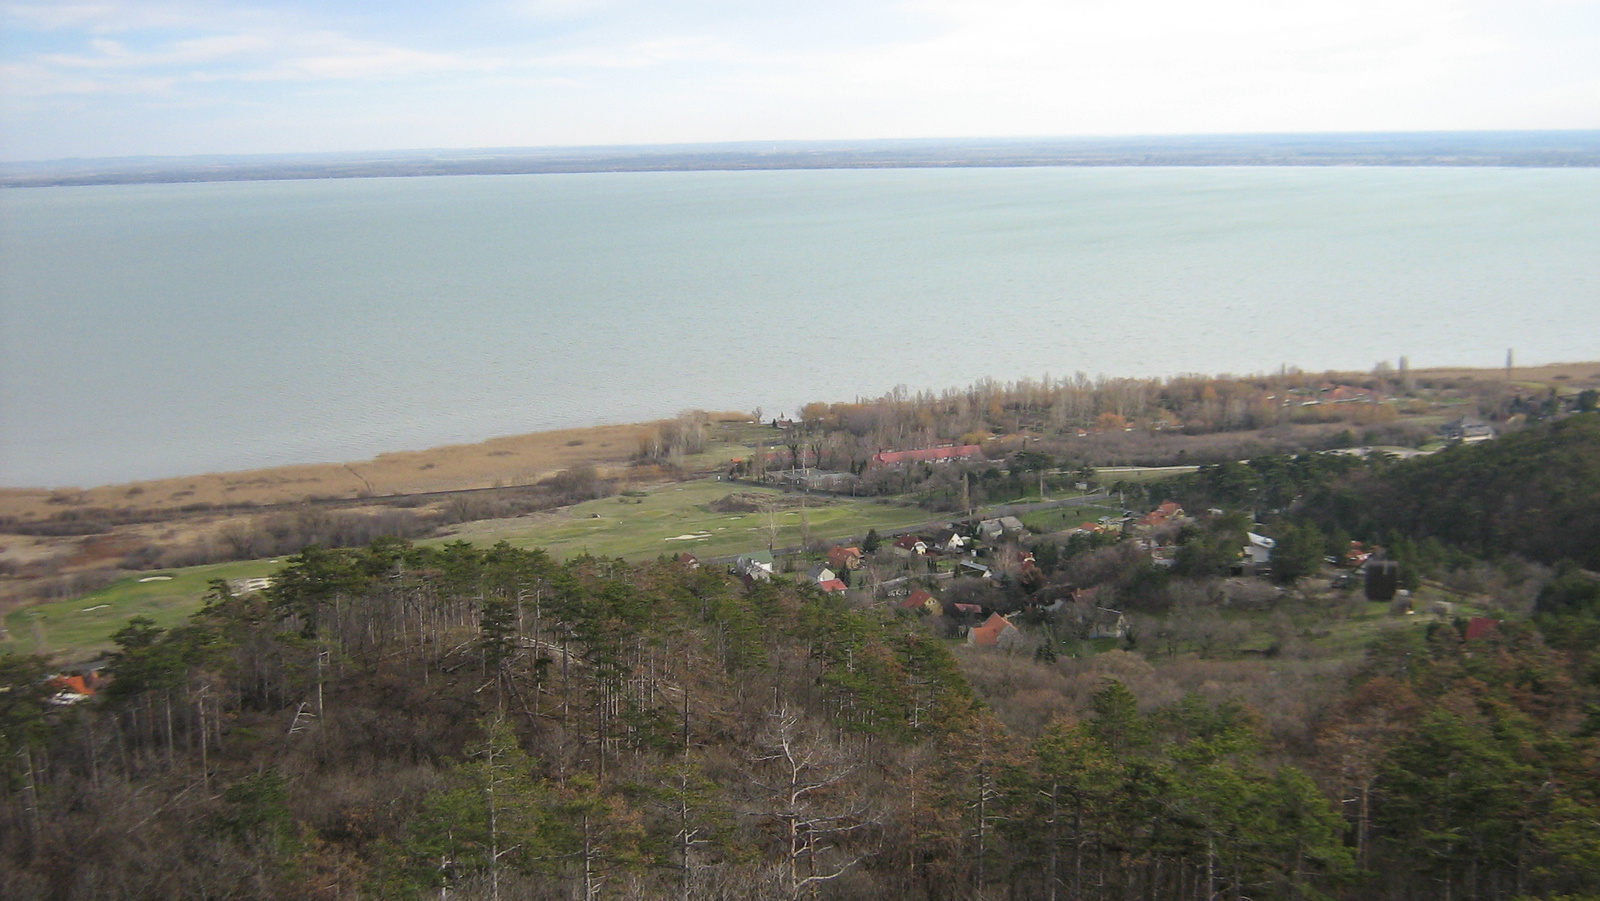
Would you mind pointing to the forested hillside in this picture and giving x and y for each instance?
(398, 723)
(1535, 493)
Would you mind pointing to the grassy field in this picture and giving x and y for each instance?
(80, 628)
(673, 518)
(1066, 517)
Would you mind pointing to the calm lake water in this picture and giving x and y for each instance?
(156, 330)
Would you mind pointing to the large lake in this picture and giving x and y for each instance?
(156, 330)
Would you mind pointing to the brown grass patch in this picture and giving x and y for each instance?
(512, 460)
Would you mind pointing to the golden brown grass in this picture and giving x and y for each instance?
(1575, 375)
(512, 460)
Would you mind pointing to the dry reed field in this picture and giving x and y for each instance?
(511, 460)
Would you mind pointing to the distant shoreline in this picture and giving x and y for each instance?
(1533, 149)
(493, 463)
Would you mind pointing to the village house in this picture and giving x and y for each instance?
(844, 558)
(973, 568)
(72, 688)
(1259, 550)
(996, 632)
(1358, 554)
(754, 567)
(948, 541)
(1257, 554)
(923, 602)
(820, 573)
(831, 586)
(1168, 513)
(910, 546)
(1349, 394)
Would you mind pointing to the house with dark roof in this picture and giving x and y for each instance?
(948, 541)
(910, 546)
(1012, 527)
(820, 574)
(973, 568)
(756, 567)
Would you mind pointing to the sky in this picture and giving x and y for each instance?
(111, 78)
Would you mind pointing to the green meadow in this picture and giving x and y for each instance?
(674, 518)
(1059, 518)
(82, 627)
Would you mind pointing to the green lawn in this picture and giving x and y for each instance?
(674, 518)
(1059, 518)
(82, 627)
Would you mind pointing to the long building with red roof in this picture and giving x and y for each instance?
(926, 455)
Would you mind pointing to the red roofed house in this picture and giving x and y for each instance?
(75, 688)
(1162, 515)
(832, 585)
(844, 557)
(925, 455)
(922, 600)
(1345, 394)
(996, 632)
(1481, 627)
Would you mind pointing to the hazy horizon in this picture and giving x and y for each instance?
(135, 78)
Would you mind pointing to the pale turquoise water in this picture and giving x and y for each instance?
(155, 330)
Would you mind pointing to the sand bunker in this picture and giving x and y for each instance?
(156, 579)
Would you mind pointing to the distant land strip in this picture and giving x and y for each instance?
(511, 460)
(1527, 149)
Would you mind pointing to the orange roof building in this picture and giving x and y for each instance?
(922, 600)
(995, 632)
